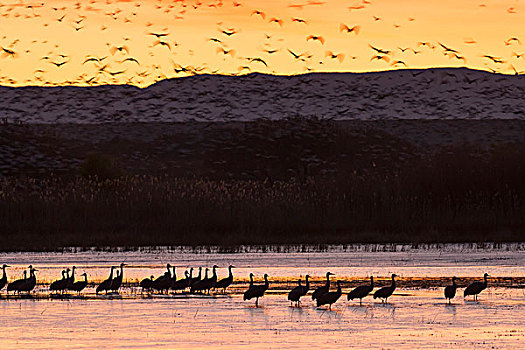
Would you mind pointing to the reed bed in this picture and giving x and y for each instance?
(450, 196)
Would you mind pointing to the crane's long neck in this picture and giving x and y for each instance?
(371, 282)
(25, 274)
(64, 274)
(200, 273)
(174, 273)
(111, 273)
(251, 280)
(339, 287)
(307, 283)
(206, 274)
(85, 278)
(73, 273)
(393, 282)
(454, 283)
(327, 281)
(121, 270)
(266, 283)
(485, 281)
(4, 275)
(32, 274)
(231, 273)
(191, 273)
(214, 272)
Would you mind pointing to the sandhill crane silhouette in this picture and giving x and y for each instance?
(147, 283)
(71, 279)
(227, 281)
(195, 279)
(450, 291)
(79, 285)
(163, 282)
(330, 297)
(323, 289)
(299, 291)
(361, 291)
(61, 284)
(256, 291)
(206, 283)
(476, 287)
(3, 280)
(117, 281)
(26, 284)
(200, 284)
(105, 285)
(385, 292)
(181, 284)
(30, 283)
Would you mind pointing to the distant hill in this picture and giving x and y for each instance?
(437, 93)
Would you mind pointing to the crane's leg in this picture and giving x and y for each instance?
(360, 301)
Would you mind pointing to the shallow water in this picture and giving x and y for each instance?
(419, 319)
(413, 318)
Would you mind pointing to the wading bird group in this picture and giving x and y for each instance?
(162, 284)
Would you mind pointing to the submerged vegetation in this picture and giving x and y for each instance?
(287, 182)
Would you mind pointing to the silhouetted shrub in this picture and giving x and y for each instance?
(100, 166)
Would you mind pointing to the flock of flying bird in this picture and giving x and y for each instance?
(203, 285)
(99, 68)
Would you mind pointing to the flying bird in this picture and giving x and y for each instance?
(380, 51)
(260, 13)
(316, 37)
(339, 56)
(276, 20)
(344, 28)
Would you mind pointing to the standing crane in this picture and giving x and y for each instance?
(15, 285)
(329, 297)
(476, 287)
(59, 285)
(227, 281)
(361, 291)
(450, 291)
(182, 283)
(117, 281)
(3, 280)
(385, 292)
(106, 284)
(299, 291)
(147, 283)
(163, 283)
(323, 289)
(79, 285)
(29, 283)
(256, 291)
(71, 279)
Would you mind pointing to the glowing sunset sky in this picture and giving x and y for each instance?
(50, 43)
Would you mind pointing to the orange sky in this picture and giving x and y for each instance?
(44, 37)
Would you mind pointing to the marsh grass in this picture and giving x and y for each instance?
(456, 195)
